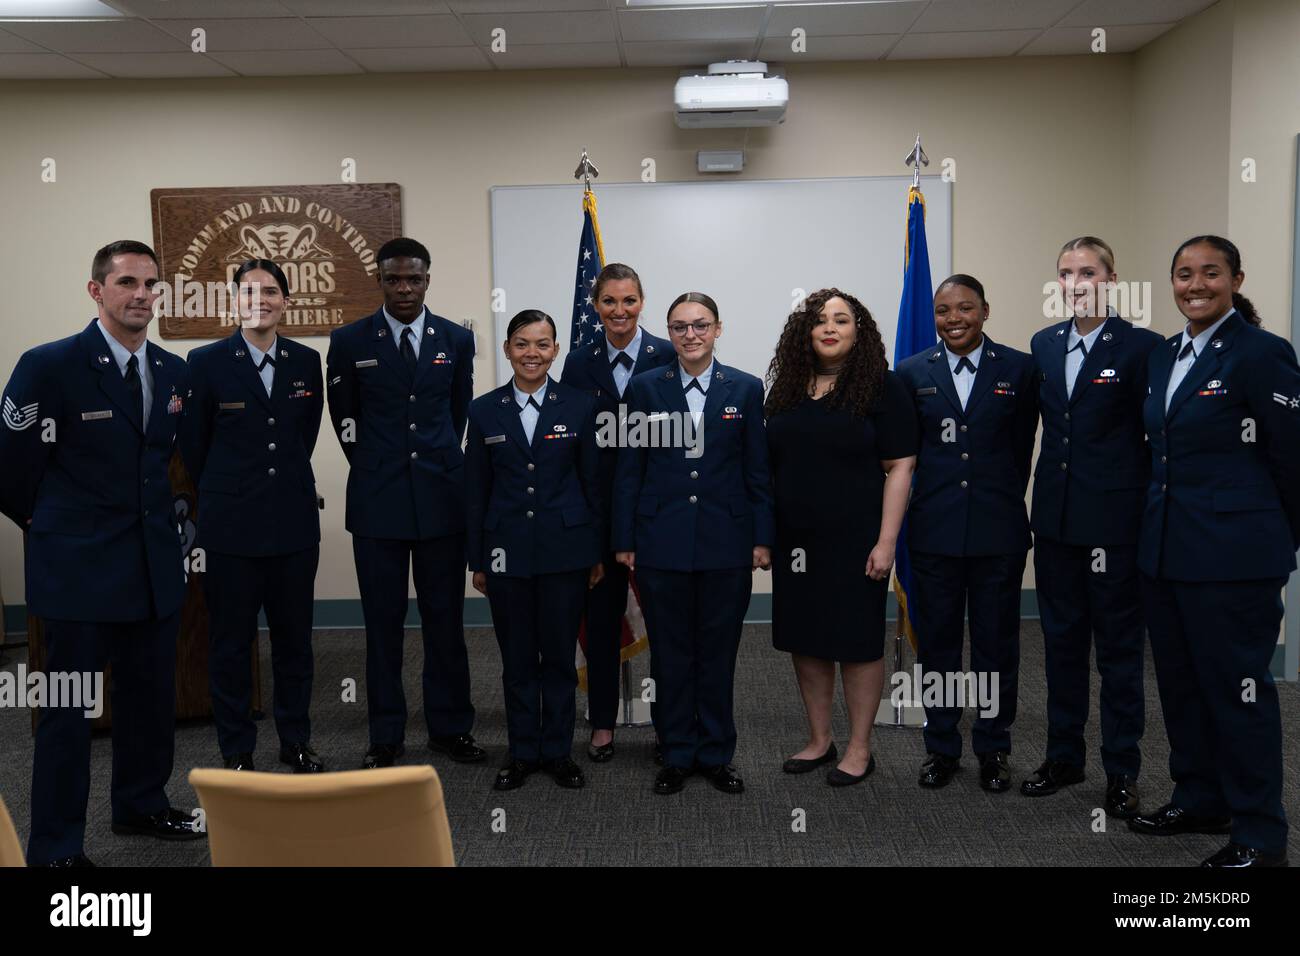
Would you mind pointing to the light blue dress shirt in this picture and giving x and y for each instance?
(623, 375)
(267, 373)
(416, 327)
(121, 356)
(1184, 364)
(1074, 356)
(695, 399)
(528, 415)
(964, 382)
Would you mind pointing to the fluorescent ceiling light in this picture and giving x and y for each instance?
(56, 10)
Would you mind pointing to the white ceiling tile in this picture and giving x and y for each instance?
(956, 46)
(1068, 41)
(383, 32)
(116, 36)
(1101, 13)
(845, 19)
(639, 26)
(579, 27)
(777, 49)
(557, 56)
(686, 54)
(153, 65)
(262, 34)
(951, 16)
(13, 44)
(365, 8)
(288, 63)
(526, 6)
(42, 66)
(421, 59)
(207, 9)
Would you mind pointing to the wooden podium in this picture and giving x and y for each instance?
(192, 696)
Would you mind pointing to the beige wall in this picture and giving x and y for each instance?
(1045, 149)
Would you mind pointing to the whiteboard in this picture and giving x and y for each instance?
(750, 244)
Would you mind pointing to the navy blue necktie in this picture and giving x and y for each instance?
(408, 350)
(694, 384)
(965, 364)
(623, 359)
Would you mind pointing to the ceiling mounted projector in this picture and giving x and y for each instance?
(735, 93)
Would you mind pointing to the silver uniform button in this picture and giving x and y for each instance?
(963, 428)
(693, 499)
(963, 484)
(1065, 441)
(412, 426)
(531, 466)
(964, 456)
(271, 447)
(415, 454)
(530, 489)
(695, 474)
(1064, 466)
(411, 399)
(270, 421)
(528, 514)
(271, 472)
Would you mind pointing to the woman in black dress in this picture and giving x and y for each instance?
(842, 437)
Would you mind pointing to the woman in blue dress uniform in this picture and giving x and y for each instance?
(693, 518)
(534, 531)
(1093, 467)
(1218, 540)
(247, 437)
(968, 534)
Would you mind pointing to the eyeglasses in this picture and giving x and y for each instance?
(700, 326)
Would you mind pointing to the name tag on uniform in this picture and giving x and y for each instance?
(366, 363)
(656, 416)
(230, 406)
(96, 416)
(927, 391)
(494, 439)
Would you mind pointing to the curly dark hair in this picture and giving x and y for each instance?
(862, 379)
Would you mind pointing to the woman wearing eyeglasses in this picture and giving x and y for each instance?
(693, 517)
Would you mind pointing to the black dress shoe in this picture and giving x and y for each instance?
(566, 773)
(838, 778)
(459, 747)
(382, 755)
(1235, 856)
(995, 772)
(1170, 820)
(169, 824)
(80, 861)
(1051, 777)
(1122, 798)
(659, 752)
(602, 754)
(724, 778)
(513, 775)
(670, 780)
(937, 770)
(801, 765)
(301, 758)
(239, 762)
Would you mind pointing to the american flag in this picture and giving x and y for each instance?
(591, 259)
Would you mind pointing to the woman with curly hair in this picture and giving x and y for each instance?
(842, 438)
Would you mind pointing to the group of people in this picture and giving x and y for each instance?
(1166, 500)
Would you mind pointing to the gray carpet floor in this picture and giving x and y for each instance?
(618, 820)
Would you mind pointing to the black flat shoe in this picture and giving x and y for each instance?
(459, 747)
(995, 772)
(937, 770)
(1122, 798)
(239, 762)
(169, 824)
(1236, 856)
(724, 778)
(802, 765)
(566, 773)
(602, 754)
(80, 861)
(838, 778)
(382, 755)
(670, 780)
(1051, 777)
(513, 775)
(1170, 820)
(301, 758)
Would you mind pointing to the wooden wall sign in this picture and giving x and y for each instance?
(324, 238)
